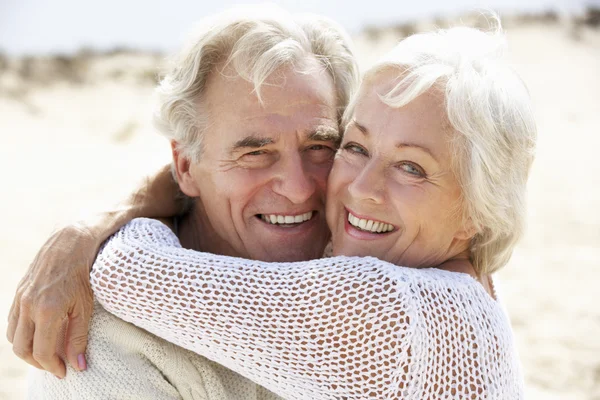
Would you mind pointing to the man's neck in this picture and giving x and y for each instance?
(197, 233)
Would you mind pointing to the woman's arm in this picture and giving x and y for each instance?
(341, 327)
(56, 286)
(330, 328)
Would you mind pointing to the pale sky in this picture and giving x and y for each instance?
(50, 26)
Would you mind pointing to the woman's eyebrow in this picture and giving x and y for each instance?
(403, 145)
(360, 127)
(363, 129)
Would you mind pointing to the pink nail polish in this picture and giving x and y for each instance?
(81, 362)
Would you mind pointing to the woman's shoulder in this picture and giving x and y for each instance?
(462, 301)
(449, 284)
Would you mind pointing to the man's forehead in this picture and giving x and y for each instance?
(301, 119)
(285, 89)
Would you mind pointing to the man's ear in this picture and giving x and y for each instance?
(182, 164)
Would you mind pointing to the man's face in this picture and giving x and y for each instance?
(262, 177)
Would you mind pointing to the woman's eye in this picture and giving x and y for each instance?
(356, 149)
(412, 169)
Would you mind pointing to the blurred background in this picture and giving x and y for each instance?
(76, 80)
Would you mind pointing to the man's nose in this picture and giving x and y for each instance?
(293, 180)
(369, 184)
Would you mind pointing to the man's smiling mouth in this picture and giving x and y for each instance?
(282, 219)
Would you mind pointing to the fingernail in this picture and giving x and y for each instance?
(59, 377)
(81, 362)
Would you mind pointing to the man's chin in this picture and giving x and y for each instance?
(289, 243)
(281, 249)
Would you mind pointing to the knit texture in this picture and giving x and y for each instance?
(126, 362)
(334, 328)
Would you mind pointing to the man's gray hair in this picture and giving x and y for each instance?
(256, 41)
(493, 128)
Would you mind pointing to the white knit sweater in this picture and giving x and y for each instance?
(126, 362)
(334, 328)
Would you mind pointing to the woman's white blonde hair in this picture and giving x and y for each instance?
(493, 130)
(256, 41)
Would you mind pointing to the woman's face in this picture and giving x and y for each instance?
(392, 192)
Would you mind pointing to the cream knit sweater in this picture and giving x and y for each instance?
(126, 362)
(336, 328)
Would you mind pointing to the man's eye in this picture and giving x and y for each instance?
(412, 169)
(356, 149)
(321, 147)
(256, 153)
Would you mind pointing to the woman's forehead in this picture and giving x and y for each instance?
(422, 121)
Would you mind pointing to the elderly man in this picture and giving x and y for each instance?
(252, 107)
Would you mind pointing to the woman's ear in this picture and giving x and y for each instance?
(183, 165)
(468, 230)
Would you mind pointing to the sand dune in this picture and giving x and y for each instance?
(76, 134)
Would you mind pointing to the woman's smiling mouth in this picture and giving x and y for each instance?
(368, 225)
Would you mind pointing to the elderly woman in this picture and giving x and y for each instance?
(431, 172)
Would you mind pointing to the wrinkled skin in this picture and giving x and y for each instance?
(50, 295)
(55, 293)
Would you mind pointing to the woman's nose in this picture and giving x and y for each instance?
(369, 184)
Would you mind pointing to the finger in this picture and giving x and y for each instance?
(76, 340)
(23, 340)
(45, 340)
(13, 320)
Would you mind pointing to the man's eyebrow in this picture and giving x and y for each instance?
(400, 145)
(325, 133)
(252, 141)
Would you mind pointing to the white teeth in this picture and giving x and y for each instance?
(369, 225)
(286, 219)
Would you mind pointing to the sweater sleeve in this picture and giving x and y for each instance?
(341, 327)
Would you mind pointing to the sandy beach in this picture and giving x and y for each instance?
(76, 135)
